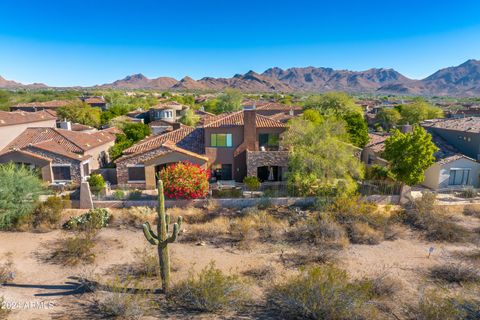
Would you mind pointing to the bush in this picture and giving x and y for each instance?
(74, 250)
(211, 290)
(455, 273)
(121, 303)
(438, 226)
(93, 219)
(469, 193)
(147, 263)
(118, 194)
(435, 306)
(20, 188)
(257, 223)
(362, 233)
(347, 210)
(321, 230)
(135, 195)
(213, 229)
(252, 183)
(227, 193)
(96, 182)
(322, 292)
(48, 213)
(7, 269)
(185, 181)
(384, 285)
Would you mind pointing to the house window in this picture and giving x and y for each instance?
(61, 173)
(222, 171)
(136, 173)
(458, 177)
(268, 141)
(221, 139)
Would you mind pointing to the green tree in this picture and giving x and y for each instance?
(419, 110)
(410, 154)
(4, 100)
(230, 100)
(190, 118)
(321, 162)
(80, 112)
(333, 103)
(20, 188)
(136, 131)
(313, 116)
(389, 117)
(96, 182)
(357, 128)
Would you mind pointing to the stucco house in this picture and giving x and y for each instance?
(452, 169)
(61, 156)
(12, 124)
(232, 145)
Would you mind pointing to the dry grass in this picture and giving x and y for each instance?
(134, 216)
(362, 233)
(190, 215)
(262, 273)
(206, 231)
(455, 273)
(435, 305)
(385, 285)
(71, 251)
(307, 256)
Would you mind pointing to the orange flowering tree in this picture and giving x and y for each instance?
(185, 180)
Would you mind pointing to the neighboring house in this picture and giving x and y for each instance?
(232, 146)
(38, 106)
(97, 101)
(12, 124)
(139, 165)
(275, 109)
(162, 126)
(169, 111)
(245, 143)
(462, 133)
(372, 152)
(452, 169)
(62, 156)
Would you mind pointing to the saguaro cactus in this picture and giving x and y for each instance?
(162, 239)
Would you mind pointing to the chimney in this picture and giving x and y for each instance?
(66, 125)
(250, 127)
(176, 125)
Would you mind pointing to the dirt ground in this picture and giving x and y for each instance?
(43, 290)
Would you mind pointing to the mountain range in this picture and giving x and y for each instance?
(462, 80)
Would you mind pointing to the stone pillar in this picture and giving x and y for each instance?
(86, 201)
(150, 181)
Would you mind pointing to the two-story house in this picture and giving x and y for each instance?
(232, 146)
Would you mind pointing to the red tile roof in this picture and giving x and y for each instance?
(94, 100)
(20, 117)
(71, 144)
(377, 141)
(236, 119)
(44, 104)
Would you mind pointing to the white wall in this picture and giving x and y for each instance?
(437, 176)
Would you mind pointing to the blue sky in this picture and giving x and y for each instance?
(65, 43)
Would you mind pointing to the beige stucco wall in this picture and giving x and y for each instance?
(431, 176)
(8, 133)
(437, 176)
(96, 153)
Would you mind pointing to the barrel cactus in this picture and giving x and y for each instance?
(161, 239)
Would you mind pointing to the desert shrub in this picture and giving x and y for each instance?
(437, 225)
(473, 255)
(256, 223)
(7, 269)
(118, 194)
(71, 251)
(362, 233)
(96, 182)
(384, 285)
(456, 273)
(227, 193)
(322, 292)
(190, 214)
(135, 195)
(262, 273)
(347, 210)
(471, 212)
(469, 193)
(121, 303)
(208, 230)
(307, 256)
(146, 262)
(48, 213)
(211, 290)
(20, 188)
(265, 202)
(435, 306)
(252, 183)
(321, 230)
(93, 219)
(185, 180)
(135, 216)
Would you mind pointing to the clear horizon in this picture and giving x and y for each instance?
(88, 43)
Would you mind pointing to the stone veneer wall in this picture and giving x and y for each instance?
(58, 159)
(257, 159)
(122, 167)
